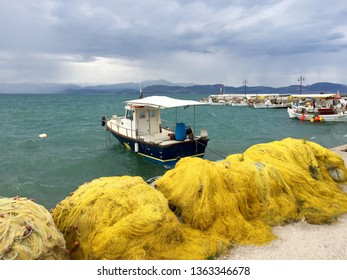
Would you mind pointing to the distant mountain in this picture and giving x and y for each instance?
(161, 87)
(122, 87)
(214, 89)
(73, 88)
(36, 87)
(327, 87)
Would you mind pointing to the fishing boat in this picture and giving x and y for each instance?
(271, 101)
(318, 107)
(268, 105)
(142, 130)
(274, 103)
(240, 102)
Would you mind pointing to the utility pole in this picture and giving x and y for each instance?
(301, 79)
(245, 82)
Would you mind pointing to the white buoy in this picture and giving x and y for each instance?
(42, 135)
(136, 147)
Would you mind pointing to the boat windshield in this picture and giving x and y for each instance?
(129, 114)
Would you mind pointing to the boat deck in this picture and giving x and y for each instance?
(165, 138)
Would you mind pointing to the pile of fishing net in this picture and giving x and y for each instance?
(302, 170)
(269, 184)
(200, 207)
(124, 218)
(27, 232)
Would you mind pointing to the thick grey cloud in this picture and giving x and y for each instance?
(100, 41)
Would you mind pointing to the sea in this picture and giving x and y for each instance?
(77, 148)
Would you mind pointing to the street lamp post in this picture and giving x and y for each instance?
(245, 82)
(301, 79)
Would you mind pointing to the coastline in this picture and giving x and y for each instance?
(301, 241)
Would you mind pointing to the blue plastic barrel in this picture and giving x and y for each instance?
(180, 131)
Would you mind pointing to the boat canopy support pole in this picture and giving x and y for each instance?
(149, 120)
(194, 121)
(176, 116)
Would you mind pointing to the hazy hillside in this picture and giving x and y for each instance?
(164, 87)
(214, 89)
(36, 87)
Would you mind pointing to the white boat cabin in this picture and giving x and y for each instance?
(142, 118)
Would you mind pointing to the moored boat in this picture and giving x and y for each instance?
(142, 130)
(265, 105)
(319, 107)
(271, 101)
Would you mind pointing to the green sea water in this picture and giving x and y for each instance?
(78, 149)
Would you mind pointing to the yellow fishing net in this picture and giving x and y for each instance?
(269, 184)
(310, 174)
(27, 232)
(202, 194)
(200, 207)
(124, 218)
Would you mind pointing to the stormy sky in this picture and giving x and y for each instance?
(269, 42)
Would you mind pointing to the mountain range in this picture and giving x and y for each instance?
(160, 87)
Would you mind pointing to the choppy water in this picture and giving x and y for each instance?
(78, 149)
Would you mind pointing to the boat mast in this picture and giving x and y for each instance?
(138, 69)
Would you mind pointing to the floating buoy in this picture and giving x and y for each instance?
(316, 118)
(42, 135)
(136, 147)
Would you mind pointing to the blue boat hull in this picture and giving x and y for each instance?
(165, 155)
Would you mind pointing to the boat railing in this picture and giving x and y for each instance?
(168, 125)
(115, 126)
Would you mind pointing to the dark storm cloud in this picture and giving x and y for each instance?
(167, 35)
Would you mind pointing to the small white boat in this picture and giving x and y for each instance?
(319, 107)
(270, 105)
(242, 103)
(326, 115)
(142, 130)
(271, 101)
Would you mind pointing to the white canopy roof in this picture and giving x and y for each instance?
(163, 102)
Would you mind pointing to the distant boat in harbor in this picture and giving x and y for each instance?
(272, 102)
(319, 107)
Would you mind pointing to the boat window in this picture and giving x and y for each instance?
(153, 113)
(129, 114)
(142, 114)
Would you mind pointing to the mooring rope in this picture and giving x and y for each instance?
(213, 151)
